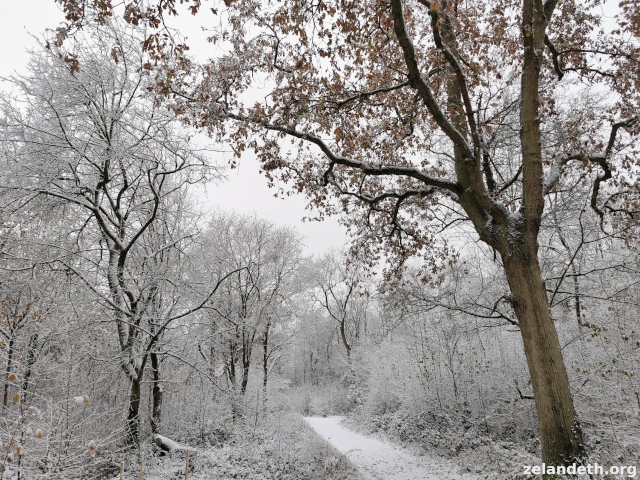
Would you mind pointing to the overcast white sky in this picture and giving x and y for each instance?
(245, 190)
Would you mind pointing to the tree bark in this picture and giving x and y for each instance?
(245, 377)
(31, 360)
(247, 349)
(231, 364)
(157, 393)
(133, 416)
(343, 337)
(10, 352)
(560, 432)
(265, 364)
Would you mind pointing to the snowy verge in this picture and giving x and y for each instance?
(282, 447)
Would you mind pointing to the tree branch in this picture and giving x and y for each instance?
(462, 81)
(417, 81)
(366, 168)
(362, 95)
(554, 56)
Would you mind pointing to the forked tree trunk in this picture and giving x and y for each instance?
(560, 433)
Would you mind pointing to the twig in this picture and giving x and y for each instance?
(524, 397)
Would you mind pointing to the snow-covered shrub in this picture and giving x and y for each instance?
(280, 447)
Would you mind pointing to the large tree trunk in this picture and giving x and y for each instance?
(133, 416)
(560, 432)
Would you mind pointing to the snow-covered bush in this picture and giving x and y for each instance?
(282, 447)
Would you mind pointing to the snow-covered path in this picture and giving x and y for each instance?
(377, 460)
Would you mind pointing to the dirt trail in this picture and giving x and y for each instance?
(377, 460)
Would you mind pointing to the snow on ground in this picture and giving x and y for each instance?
(377, 460)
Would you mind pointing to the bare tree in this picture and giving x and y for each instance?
(249, 307)
(342, 295)
(96, 141)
